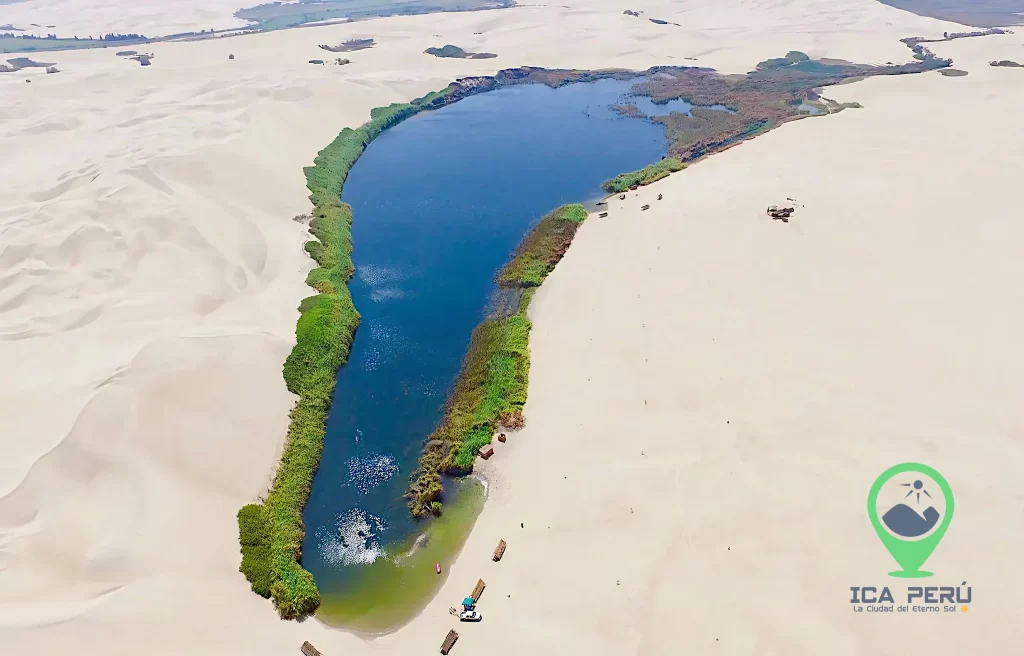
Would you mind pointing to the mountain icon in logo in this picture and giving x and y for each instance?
(910, 506)
(904, 521)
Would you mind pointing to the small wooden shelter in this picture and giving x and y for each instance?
(499, 551)
(449, 641)
(501, 437)
(486, 451)
(309, 650)
(780, 212)
(478, 590)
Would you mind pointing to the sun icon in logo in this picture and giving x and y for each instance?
(963, 609)
(916, 487)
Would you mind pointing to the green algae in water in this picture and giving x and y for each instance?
(398, 585)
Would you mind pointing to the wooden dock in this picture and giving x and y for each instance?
(449, 641)
(478, 590)
(309, 650)
(499, 551)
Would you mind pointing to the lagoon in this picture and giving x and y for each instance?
(439, 202)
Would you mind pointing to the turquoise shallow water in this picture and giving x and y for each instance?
(439, 202)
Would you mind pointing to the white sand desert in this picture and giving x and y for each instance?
(98, 17)
(705, 417)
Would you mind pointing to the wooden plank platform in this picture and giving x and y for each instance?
(309, 650)
(478, 590)
(499, 551)
(449, 641)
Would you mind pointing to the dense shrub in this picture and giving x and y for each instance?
(644, 176)
(254, 537)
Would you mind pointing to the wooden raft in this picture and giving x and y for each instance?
(449, 641)
(499, 551)
(478, 590)
(310, 650)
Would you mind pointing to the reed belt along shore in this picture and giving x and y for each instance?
(490, 390)
(491, 387)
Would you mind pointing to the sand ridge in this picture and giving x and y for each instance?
(148, 291)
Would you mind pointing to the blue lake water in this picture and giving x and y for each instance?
(439, 202)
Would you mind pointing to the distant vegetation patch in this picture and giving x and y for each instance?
(792, 58)
(953, 72)
(350, 45)
(922, 53)
(29, 43)
(277, 15)
(455, 52)
(629, 110)
(644, 176)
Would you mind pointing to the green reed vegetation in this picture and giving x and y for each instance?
(271, 533)
(490, 390)
(542, 248)
(644, 176)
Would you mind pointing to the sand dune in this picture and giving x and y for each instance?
(711, 410)
(70, 18)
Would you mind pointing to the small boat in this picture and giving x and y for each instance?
(646, 207)
(437, 567)
(659, 196)
(602, 202)
(622, 196)
(602, 215)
